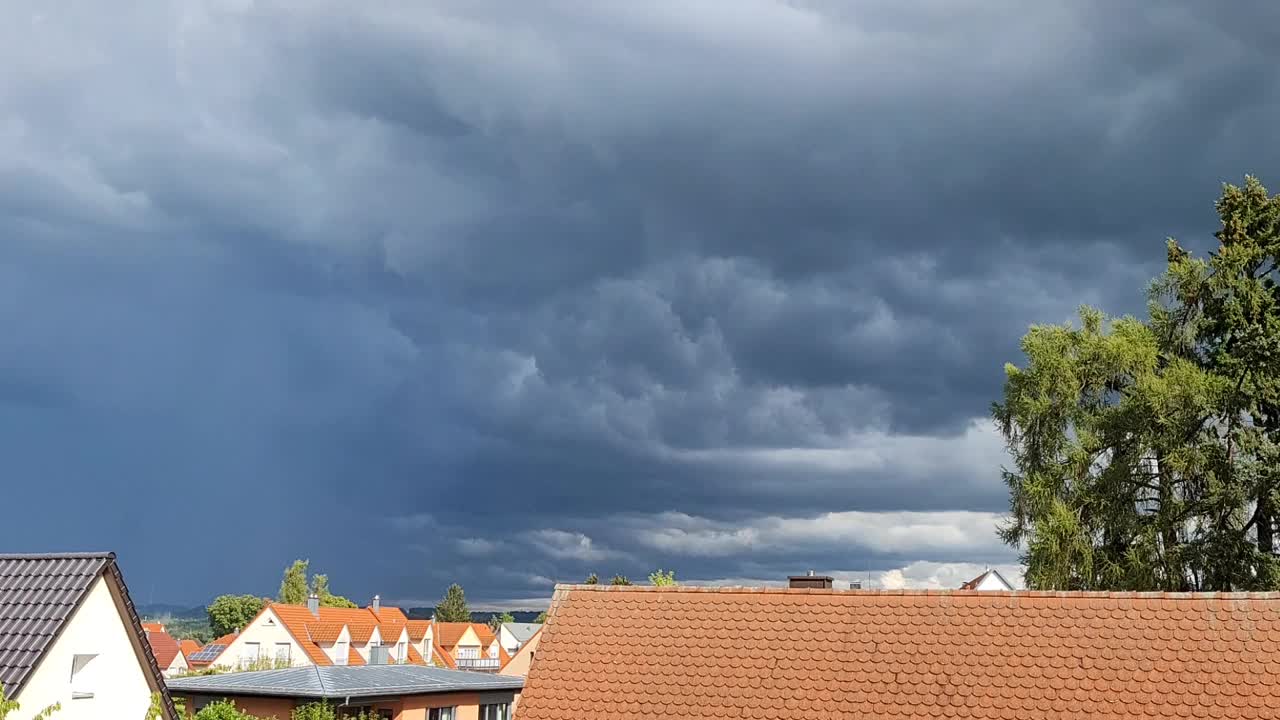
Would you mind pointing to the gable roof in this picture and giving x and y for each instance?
(39, 593)
(975, 583)
(340, 682)
(188, 647)
(522, 631)
(310, 631)
(620, 652)
(449, 634)
(210, 652)
(164, 647)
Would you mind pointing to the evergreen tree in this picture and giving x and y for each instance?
(1145, 453)
(453, 607)
(293, 586)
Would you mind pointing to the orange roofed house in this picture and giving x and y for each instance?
(301, 635)
(626, 653)
(471, 646)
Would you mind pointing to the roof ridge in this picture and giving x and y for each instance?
(90, 555)
(1068, 594)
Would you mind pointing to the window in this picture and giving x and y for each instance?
(497, 711)
(402, 653)
(282, 653)
(445, 713)
(493, 650)
(468, 653)
(249, 654)
(82, 672)
(340, 653)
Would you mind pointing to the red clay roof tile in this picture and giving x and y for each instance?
(626, 653)
(163, 646)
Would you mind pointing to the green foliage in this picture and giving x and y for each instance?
(293, 586)
(662, 579)
(619, 580)
(496, 621)
(453, 607)
(542, 618)
(325, 711)
(320, 587)
(1147, 454)
(197, 629)
(8, 709)
(227, 613)
(223, 710)
(592, 579)
(155, 711)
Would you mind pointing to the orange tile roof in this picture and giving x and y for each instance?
(415, 657)
(360, 622)
(448, 634)
(324, 633)
(441, 657)
(483, 632)
(188, 647)
(163, 646)
(626, 653)
(361, 632)
(353, 657)
(152, 627)
(417, 629)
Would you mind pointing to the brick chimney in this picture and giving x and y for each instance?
(810, 581)
(313, 604)
(377, 603)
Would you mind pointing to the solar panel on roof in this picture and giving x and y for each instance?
(208, 652)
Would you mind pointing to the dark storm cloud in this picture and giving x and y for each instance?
(505, 292)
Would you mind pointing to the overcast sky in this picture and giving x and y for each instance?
(505, 292)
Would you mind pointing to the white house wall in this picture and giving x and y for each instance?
(115, 677)
(267, 630)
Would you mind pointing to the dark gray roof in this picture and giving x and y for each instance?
(336, 682)
(522, 631)
(38, 593)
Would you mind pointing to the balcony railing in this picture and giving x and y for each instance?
(477, 663)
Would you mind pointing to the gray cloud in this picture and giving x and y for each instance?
(504, 292)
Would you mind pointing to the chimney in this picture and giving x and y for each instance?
(810, 581)
(313, 604)
(377, 603)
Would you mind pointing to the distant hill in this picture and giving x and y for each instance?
(523, 616)
(161, 610)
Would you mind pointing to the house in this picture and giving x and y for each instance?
(987, 581)
(520, 662)
(188, 647)
(69, 634)
(283, 635)
(513, 635)
(167, 651)
(393, 692)
(627, 653)
(203, 657)
(471, 646)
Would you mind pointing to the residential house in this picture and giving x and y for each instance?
(514, 635)
(627, 653)
(188, 647)
(168, 652)
(472, 646)
(204, 657)
(523, 659)
(988, 581)
(69, 634)
(391, 692)
(283, 635)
